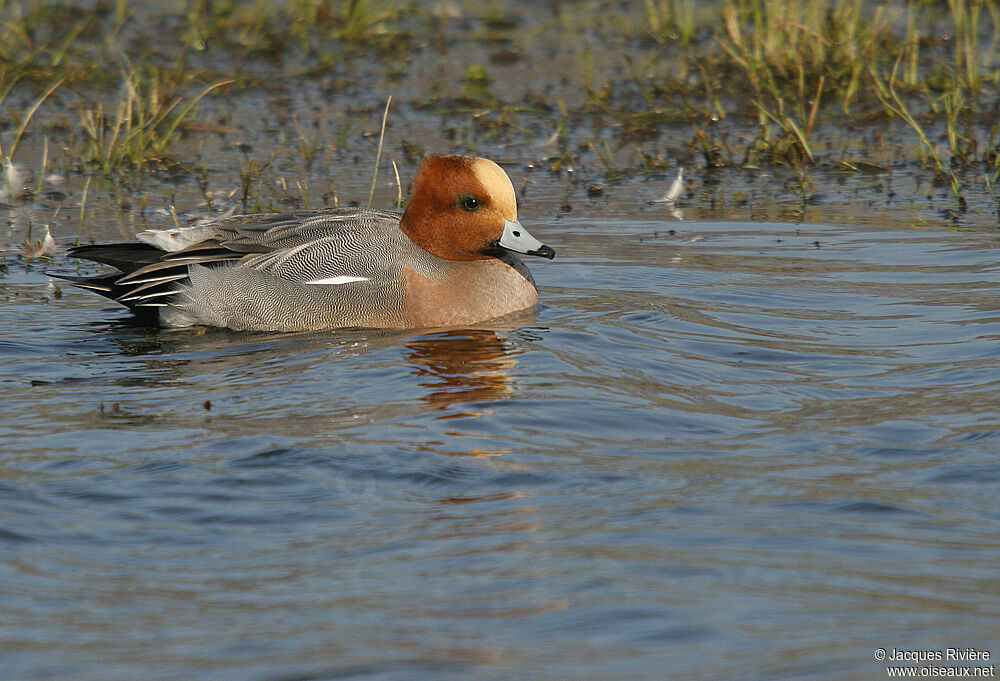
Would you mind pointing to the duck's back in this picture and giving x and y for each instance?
(305, 270)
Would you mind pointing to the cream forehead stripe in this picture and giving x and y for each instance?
(499, 186)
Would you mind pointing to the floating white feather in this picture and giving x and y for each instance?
(676, 189)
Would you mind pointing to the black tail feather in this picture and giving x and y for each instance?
(128, 257)
(103, 285)
(106, 287)
(148, 276)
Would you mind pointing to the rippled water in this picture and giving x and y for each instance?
(718, 450)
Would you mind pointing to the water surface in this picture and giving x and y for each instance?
(717, 450)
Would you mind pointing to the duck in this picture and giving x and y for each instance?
(450, 259)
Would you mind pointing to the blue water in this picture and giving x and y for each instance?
(744, 451)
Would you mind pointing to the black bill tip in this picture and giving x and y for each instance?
(543, 251)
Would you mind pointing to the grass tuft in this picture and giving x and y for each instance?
(144, 122)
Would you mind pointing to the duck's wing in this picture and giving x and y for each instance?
(354, 278)
(333, 246)
(309, 247)
(359, 252)
(264, 233)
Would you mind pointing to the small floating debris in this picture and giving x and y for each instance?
(443, 10)
(39, 249)
(12, 182)
(551, 143)
(675, 190)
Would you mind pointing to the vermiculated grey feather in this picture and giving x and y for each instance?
(247, 272)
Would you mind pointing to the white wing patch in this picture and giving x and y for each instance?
(341, 279)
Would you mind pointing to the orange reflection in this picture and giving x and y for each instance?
(470, 365)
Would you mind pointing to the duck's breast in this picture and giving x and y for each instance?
(466, 292)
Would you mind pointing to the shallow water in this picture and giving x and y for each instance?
(717, 450)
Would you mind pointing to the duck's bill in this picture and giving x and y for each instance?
(516, 238)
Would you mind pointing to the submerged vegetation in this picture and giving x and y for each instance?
(120, 90)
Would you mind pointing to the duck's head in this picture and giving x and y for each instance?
(463, 208)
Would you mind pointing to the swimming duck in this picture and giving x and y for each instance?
(448, 260)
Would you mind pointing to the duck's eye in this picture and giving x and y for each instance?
(469, 203)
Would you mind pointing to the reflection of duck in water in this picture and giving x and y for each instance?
(472, 365)
(449, 260)
(375, 376)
